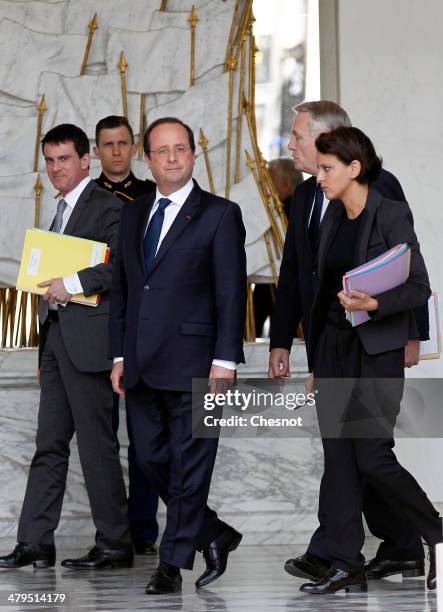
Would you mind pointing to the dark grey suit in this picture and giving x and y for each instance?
(76, 395)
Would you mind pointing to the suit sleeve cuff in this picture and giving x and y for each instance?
(229, 365)
(117, 359)
(72, 284)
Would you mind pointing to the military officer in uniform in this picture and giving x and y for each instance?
(115, 148)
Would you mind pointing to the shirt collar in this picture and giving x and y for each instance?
(179, 197)
(106, 178)
(72, 197)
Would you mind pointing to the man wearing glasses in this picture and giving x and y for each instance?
(177, 313)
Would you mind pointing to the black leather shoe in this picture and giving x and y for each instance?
(216, 556)
(431, 580)
(307, 566)
(39, 555)
(165, 579)
(335, 580)
(144, 547)
(382, 568)
(98, 558)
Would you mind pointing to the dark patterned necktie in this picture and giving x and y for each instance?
(58, 219)
(152, 236)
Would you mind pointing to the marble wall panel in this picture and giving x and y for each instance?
(25, 52)
(17, 214)
(48, 17)
(136, 14)
(20, 130)
(202, 106)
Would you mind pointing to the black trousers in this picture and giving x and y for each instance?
(353, 463)
(179, 466)
(143, 497)
(70, 401)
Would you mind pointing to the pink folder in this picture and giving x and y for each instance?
(387, 271)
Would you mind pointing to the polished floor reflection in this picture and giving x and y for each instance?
(255, 581)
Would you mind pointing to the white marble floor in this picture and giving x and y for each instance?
(254, 581)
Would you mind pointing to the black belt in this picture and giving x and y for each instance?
(52, 315)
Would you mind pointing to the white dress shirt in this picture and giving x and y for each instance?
(178, 198)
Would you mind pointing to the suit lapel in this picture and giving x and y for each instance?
(372, 203)
(184, 217)
(79, 207)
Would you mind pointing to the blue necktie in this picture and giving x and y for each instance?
(150, 241)
(314, 225)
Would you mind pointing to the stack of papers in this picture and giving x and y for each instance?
(387, 271)
(49, 255)
(431, 349)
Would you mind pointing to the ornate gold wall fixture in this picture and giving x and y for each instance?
(38, 188)
(41, 108)
(252, 51)
(163, 5)
(122, 65)
(203, 142)
(192, 20)
(242, 29)
(92, 26)
(250, 316)
(240, 110)
(229, 130)
(232, 33)
(276, 234)
(9, 308)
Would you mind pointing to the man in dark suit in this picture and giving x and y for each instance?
(401, 550)
(76, 394)
(177, 313)
(115, 149)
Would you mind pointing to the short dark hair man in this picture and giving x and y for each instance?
(115, 148)
(177, 313)
(401, 549)
(76, 395)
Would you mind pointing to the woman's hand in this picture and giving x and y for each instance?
(357, 300)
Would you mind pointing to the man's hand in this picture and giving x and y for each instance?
(357, 300)
(412, 353)
(219, 379)
(116, 378)
(56, 293)
(279, 364)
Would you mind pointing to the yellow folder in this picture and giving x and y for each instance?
(49, 255)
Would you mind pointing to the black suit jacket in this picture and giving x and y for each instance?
(190, 309)
(298, 277)
(84, 328)
(385, 224)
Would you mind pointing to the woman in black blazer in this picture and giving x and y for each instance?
(357, 413)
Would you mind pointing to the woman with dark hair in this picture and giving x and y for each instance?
(357, 412)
